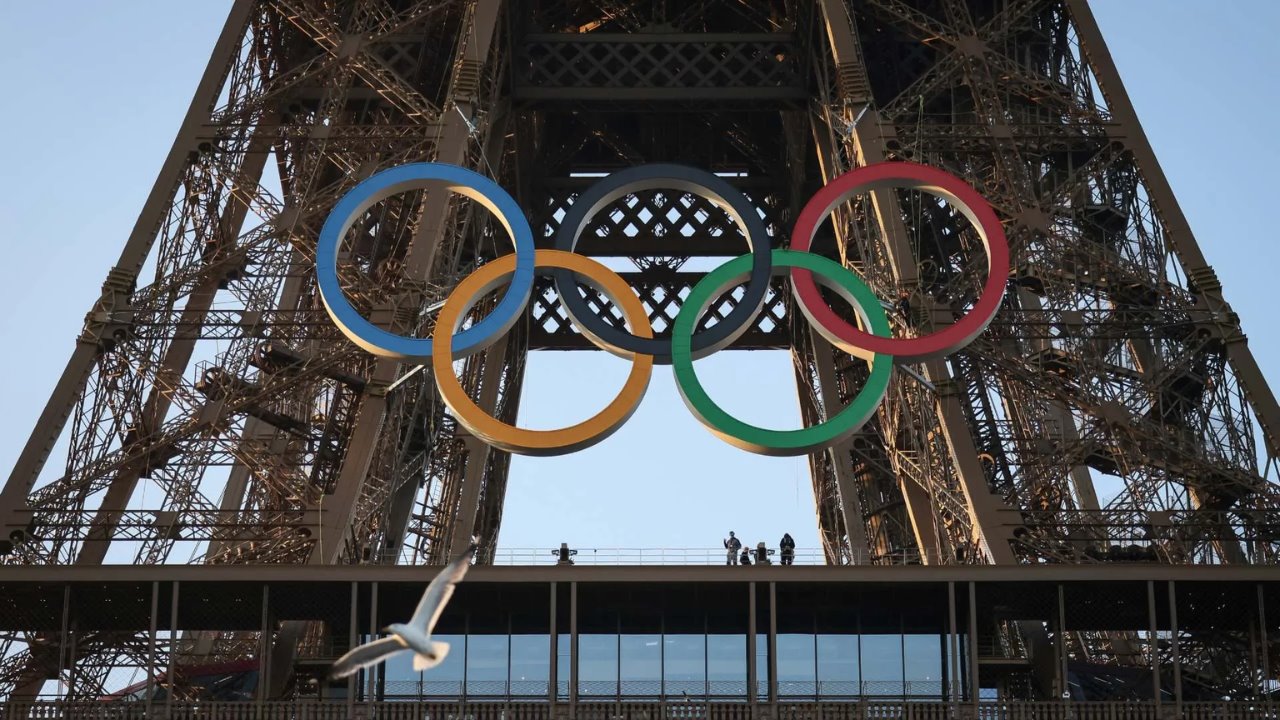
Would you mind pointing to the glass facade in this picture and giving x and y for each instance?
(652, 665)
(487, 670)
(727, 665)
(797, 665)
(640, 665)
(598, 665)
(530, 665)
(658, 645)
(684, 665)
(839, 665)
(882, 671)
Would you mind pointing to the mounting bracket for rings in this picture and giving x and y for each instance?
(683, 179)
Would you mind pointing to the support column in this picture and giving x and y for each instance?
(73, 655)
(1266, 647)
(151, 644)
(662, 658)
(371, 683)
(974, 684)
(232, 499)
(466, 655)
(773, 645)
(920, 511)
(173, 648)
(264, 648)
(984, 507)
(1064, 688)
(553, 678)
(573, 648)
(1255, 663)
(1152, 644)
(433, 226)
(464, 523)
(1173, 641)
(953, 649)
(62, 640)
(706, 660)
(751, 646)
(841, 455)
(918, 504)
(353, 638)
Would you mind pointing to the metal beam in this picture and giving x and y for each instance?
(870, 141)
(454, 141)
(1177, 231)
(74, 376)
(841, 455)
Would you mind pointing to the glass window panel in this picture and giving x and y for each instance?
(598, 664)
(641, 661)
(445, 679)
(838, 665)
(923, 656)
(530, 665)
(727, 665)
(882, 665)
(685, 665)
(400, 679)
(487, 664)
(796, 674)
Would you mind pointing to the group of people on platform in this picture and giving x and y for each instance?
(738, 554)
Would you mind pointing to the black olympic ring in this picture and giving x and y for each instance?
(685, 179)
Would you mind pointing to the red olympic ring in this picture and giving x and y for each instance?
(887, 175)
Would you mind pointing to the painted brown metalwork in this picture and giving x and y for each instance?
(1111, 414)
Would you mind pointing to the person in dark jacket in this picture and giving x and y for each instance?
(788, 548)
(731, 546)
(746, 556)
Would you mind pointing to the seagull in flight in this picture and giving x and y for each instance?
(414, 635)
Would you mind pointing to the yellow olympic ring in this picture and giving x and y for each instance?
(541, 442)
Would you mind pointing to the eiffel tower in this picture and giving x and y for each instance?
(1112, 413)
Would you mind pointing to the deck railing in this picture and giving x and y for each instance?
(676, 556)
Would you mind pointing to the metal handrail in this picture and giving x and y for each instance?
(675, 556)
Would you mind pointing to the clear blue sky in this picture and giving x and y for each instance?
(95, 93)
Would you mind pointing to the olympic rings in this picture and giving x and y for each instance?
(873, 343)
(540, 442)
(413, 177)
(780, 442)
(690, 180)
(902, 175)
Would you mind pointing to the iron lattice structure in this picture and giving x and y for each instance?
(211, 412)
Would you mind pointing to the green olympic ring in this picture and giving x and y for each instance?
(759, 440)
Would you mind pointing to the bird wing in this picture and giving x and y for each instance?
(440, 590)
(365, 655)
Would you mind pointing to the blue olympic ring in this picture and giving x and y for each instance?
(416, 176)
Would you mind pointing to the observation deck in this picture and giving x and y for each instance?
(656, 641)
